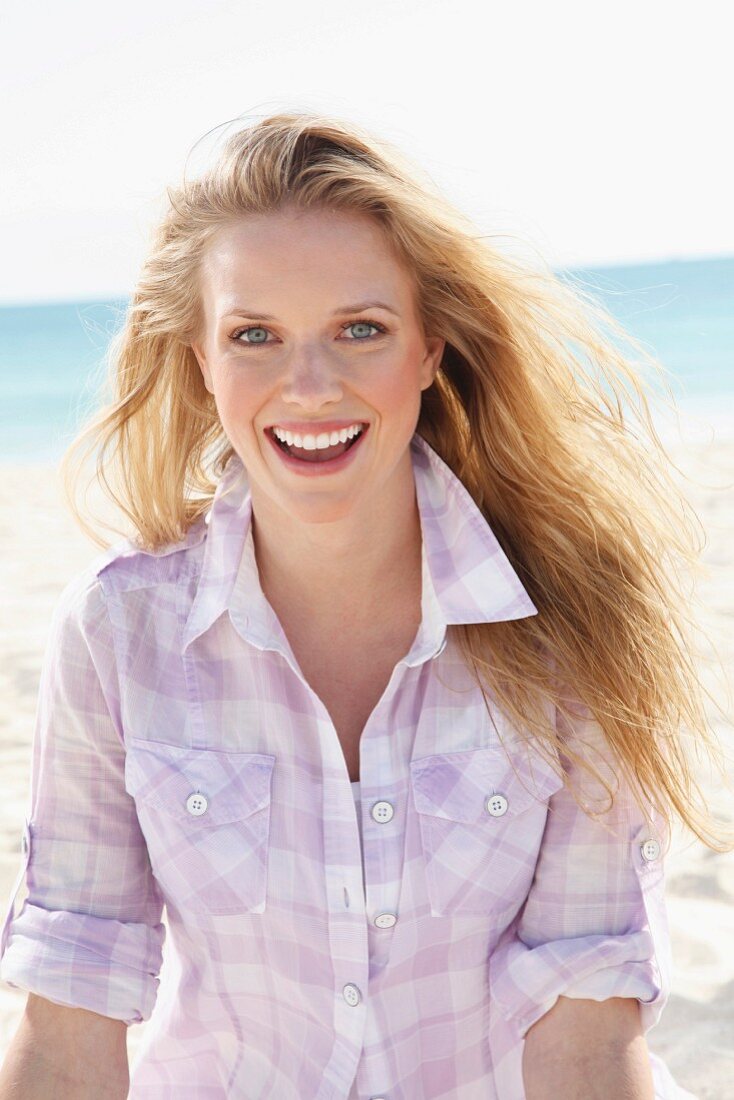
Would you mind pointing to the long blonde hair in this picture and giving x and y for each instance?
(536, 407)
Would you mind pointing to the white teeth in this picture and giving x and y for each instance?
(317, 442)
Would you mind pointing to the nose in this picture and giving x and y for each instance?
(311, 380)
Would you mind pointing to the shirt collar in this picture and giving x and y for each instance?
(467, 577)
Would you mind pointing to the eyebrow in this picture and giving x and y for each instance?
(358, 308)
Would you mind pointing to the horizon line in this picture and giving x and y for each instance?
(586, 265)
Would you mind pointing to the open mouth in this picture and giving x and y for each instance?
(318, 454)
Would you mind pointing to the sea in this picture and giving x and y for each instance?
(52, 355)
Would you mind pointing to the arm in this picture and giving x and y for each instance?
(587, 1050)
(89, 935)
(593, 929)
(65, 1053)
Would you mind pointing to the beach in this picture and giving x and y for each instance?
(41, 549)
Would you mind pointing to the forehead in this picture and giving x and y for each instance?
(319, 251)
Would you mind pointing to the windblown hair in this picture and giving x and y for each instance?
(537, 407)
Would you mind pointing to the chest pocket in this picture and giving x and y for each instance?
(205, 815)
(482, 815)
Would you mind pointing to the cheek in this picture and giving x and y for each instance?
(235, 401)
(400, 384)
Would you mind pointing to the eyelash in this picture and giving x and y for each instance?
(361, 340)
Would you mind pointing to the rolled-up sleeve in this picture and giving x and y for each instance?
(89, 934)
(594, 924)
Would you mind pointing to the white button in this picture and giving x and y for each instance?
(650, 849)
(196, 804)
(351, 994)
(497, 805)
(382, 812)
(385, 920)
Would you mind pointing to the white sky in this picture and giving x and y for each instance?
(599, 133)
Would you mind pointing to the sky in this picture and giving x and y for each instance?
(593, 134)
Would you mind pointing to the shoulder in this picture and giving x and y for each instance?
(126, 566)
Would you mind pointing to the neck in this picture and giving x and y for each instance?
(349, 567)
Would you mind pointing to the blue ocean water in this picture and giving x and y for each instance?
(51, 355)
(50, 362)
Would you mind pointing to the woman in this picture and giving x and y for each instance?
(399, 546)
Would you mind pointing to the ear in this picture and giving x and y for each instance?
(435, 347)
(203, 365)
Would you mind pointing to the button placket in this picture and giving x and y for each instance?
(352, 994)
(382, 812)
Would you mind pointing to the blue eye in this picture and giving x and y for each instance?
(359, 339)
(364, 324)
(252, 328)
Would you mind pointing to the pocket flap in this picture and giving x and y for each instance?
(235, 784)
(456, 785)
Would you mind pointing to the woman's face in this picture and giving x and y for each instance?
(310, 319)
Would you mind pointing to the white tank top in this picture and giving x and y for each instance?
(357, 799)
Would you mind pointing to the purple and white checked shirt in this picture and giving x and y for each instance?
(181, 758)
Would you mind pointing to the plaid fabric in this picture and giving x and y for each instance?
(181, 759)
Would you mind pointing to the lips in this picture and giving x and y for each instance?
(312, 465)
(316, 454)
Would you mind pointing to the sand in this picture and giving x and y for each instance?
(41, 548)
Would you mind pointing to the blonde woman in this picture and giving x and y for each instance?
(384, 697)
